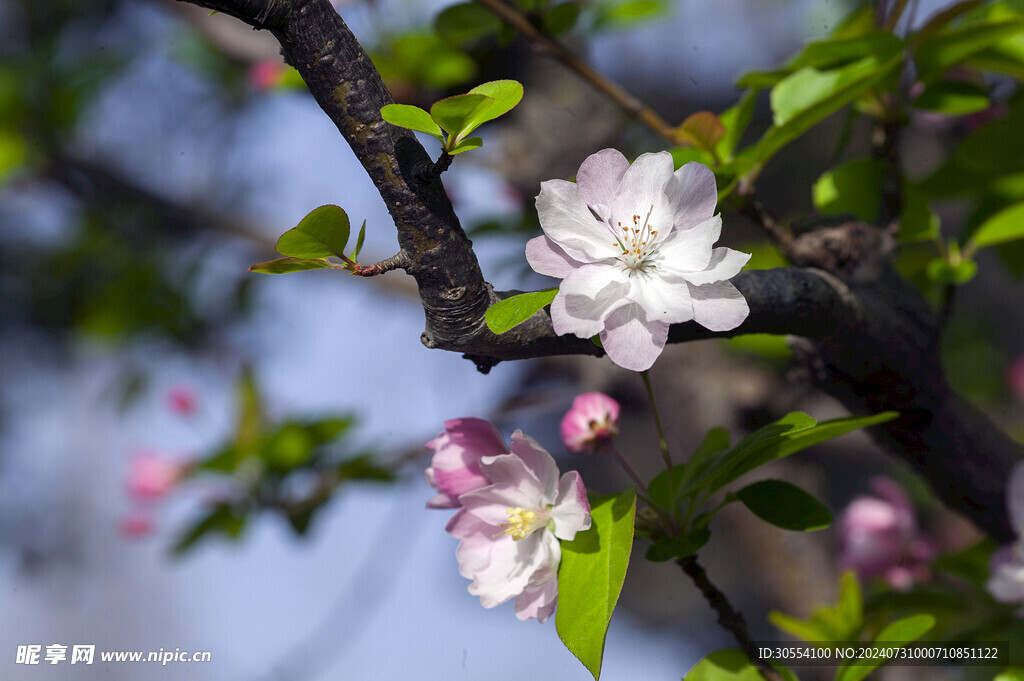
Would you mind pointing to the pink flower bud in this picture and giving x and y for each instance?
(151, 476)
(181, 400)
(591, 423)
(266, 75)
(455, 466)
(135, 525)
(879, 537)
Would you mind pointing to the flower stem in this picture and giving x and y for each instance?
(657, 422)
(642, 491)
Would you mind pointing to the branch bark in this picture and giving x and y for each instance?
(874, 336)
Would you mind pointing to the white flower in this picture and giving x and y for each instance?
(633, 247)
(1006, 567)
(510, 529)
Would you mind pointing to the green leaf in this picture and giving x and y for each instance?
(941, 271)
(590, 578)
(683, 155)
(512, 311)
(468, 144)
(561, 18)
(669, 548)
(788, 435)
(735, 119)
(291, 446)
(840, 622)
(506, 95)
(322, 233)
(627, 13)
(664, 491)
(359, 242)
(1006, 225)
(456, 114)
(836, 52)
(918, 222)
(785, 505)
(363, 468)
(727, 664)
(970, 564)
(893, 636)
(222, 519)
(411, 117)
(853, 187)
(289, 265)
(942, 50)
(466, 22)
(953, 98)
(1011, 674)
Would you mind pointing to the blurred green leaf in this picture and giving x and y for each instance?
(970, 564)
(735, 119)
(289, 265)
(626, 13)
(561, 18)
(291, 446)
(223, 519)
(683, 155)
(1006, 225)
(939, 51)
(426, 59)
(411, 117)
(323, 232)
(512, 311)
(590, 578)
(841, 622)
(670, 548)
(702, 129)
(363, 468)
(902, 631)
(918, 222)
(727, 664)
(941, 271)
(953, 98)
(785, 505)
(764, 345)
(853, 187)
(466, 22)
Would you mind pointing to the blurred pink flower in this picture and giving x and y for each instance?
(266, 75)
(879, 537)
(181, 399)
(510, 529)
(1006, 566)
(151, 476)
(455, 466)
(592, 421)
(1015, 377)
(135, 525)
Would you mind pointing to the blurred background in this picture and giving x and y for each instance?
(150, 152)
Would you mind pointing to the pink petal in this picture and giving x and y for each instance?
(724, 265)
(571, 511)
(490, 504)
(632, 342)
(455, 465)
(692, 195)
(568, 222)
(598, 179)
(537, 602)
(718, 306)
(545, 257)
(592, 420)
(538, 460)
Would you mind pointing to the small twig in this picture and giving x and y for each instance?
(662, 442)
(398, 261)
(623, 99)
(730, 618)
(443, 163)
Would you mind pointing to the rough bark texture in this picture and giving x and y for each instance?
(873, 338)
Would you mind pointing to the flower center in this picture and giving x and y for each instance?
(638, 243)
(522, 522)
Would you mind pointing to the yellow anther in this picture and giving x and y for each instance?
(521, 522)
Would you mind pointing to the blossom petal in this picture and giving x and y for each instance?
(568, 222)
(512, 563)
(630, 340)
(685, 252)
(585, 298)
(571, 512)
(1015, 498)
(538, 602)
(718, 306)
(592, 279)
(546, 257)
(641, 194)
(662, 300)
(598, 179)
(538, 460)
(512, 471)
(692, 195)
(725, 264)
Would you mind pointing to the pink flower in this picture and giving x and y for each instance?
(879, 537)
(1006, 567)
(181, 400)
(266, 75)
(1015, 377)
(591, 423)
(151, 476)
(632, 245)
(455, 466)
(510, 529)
(135, 525)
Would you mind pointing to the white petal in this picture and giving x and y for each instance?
(662, 301)
(568, 222)
(512, 563)
(630, 340)
(725, 264)
(538, 460)
(586, 297)
(690, 250)
(592, 280)
(641, 194)
(598, 179)
(513, 471)
(571, 511)
(537, 602)
(718, 306)
(1015, 498)
(490, 504)
(546, 257)
(692, 195)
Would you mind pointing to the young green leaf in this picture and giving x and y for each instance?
(727, 664)
(1006, 225)
(455, 114)
(514, 310)
(359, 242)
(322, 233)
(841, 622)
(895, 635)
(590, 578)
(506, 95)
(941, 271)
(289, 265)
(468, 144)
(785, 505)
(411, 117)
(702, 129)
